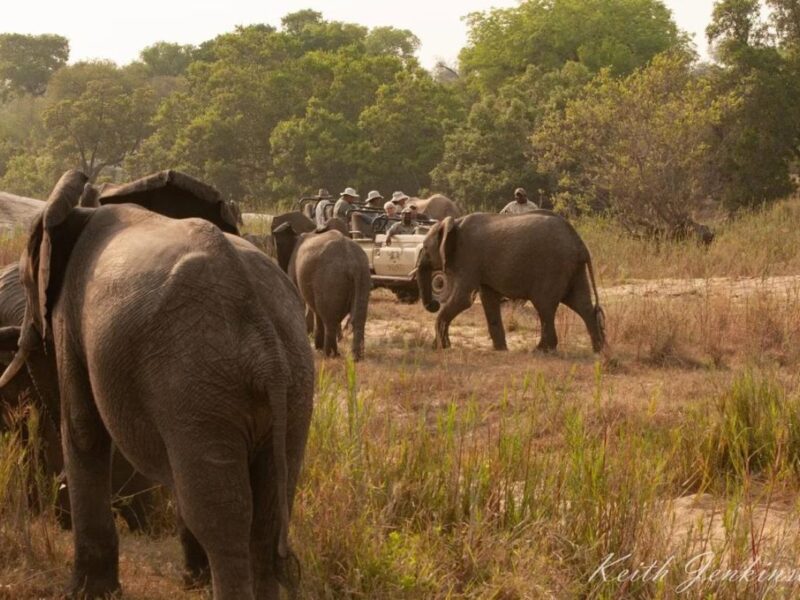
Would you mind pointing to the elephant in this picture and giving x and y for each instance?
(332, 273)
(171, 192)
(263, 242)
(17, 212)
(436, 207)
(185, 347)
(537, 256)
(299, 222)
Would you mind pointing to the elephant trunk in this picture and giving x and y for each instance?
(425, 282)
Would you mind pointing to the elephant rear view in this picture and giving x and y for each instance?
(536, 256)
(332, 273)
(185, 346)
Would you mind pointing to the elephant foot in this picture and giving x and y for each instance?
(500, 347)
(545, 349)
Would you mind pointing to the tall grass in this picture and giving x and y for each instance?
(758, 244)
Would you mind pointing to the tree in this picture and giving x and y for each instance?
(27, 62)
(488, 155)
(167, 59)
(403, 131)
(645, 145)
(388, 40)
(620, 35)
(759, 140)
(96, 116)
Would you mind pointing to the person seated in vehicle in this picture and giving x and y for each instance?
(361, 220)
(405, 227)
(399, 199)
(374, 200)
(322, 212)
(390, 208)
(344, 205)
(520, 205)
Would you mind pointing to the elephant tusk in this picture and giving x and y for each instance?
(16, 364)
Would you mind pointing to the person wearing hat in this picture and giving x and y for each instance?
(520, 205)
(323, 208)
(344, 205)
(374, 199)
(405, 227)
(399, 199)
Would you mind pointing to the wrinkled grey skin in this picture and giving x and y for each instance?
(133, 491)
(332, 274)
(436, 207)
(538, 257)
(263, 242)
(185, 347)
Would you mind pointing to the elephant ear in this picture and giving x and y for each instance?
(49, 247)
(285, 238)
(53, 234)
(447, 235)
(176, 195)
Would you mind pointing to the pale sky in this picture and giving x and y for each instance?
(119, 30)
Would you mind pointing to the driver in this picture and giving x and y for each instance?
(405, 227)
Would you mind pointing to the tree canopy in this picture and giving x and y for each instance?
(597, 105)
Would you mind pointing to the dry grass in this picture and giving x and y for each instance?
(476, 474)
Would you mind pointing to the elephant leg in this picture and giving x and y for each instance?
(197, 573)
(319, 333)
(547, 318)
(458, 302)
(264, 533)
(212, 487)
(491, 300)
(87, 454)
(331, 345)
(579, 299)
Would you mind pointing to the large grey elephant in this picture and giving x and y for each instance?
(332, 273)
(185, 347)
(436, 207)
(173, 194)
(133, 493)
(538, 257)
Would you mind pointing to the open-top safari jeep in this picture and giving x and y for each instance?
(395, 266)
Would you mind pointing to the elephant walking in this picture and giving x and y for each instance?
(332, 273)
(184, 346)
(537, 256)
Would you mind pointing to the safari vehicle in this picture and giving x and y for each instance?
(393, 267)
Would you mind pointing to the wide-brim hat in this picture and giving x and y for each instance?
(520, 192)
(323, 193)
(374, 195)
(398, 197)
(349, 192)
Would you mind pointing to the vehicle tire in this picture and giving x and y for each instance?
(407, 295)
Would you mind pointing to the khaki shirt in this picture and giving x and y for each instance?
(515, 208)
(342, 210)
(319, 214)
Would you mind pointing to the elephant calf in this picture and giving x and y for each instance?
(537, 256)
(332, 273)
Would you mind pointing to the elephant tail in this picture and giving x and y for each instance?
(599, 314)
